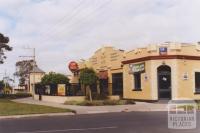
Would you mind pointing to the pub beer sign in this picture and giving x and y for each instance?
(136, 68)
(163, 50)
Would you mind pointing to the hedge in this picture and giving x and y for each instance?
(15, 96)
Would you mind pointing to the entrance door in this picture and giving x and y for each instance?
(103, 86)
(117, 84)
(103, 82)
(164, 82)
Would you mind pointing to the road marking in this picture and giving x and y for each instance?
(66, 130)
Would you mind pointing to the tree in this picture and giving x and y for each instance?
(54, 78)
(88, 77)
(5, 87)
(23, 70)
(3, 47)
(2, 85)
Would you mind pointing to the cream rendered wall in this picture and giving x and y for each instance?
(105, 59)
(153, 50)
(172, 63)
(60, 99)
(187, 87)
(128, 80)
(38, 77)
(150, 87)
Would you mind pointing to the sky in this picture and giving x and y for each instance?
(68, 30)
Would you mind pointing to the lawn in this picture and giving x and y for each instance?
(8, 107)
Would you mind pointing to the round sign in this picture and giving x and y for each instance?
(73, 66)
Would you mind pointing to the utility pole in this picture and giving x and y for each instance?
(5, 77)
(34, 65)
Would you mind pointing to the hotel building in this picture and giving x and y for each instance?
(155, 72)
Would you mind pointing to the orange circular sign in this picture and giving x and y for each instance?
(73, 66)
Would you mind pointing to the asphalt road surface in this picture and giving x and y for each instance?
(132, 122)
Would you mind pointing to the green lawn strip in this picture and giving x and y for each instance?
(8, 107)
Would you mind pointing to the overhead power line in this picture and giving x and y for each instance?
(82, 18)
(67, 17)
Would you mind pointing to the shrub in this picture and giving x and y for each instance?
(96, 96)
(92, 103)
(15, 96)
(114, 102)
(100, 102)
(72, 103)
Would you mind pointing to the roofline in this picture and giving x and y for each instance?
(147, 58)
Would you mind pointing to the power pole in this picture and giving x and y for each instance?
(34, 65)
(5, 76)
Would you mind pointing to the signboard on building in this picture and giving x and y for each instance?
(61, 89)
(163, 50)
(134, 68)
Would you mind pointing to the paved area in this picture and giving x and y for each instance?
(139, 106)
(124, 122)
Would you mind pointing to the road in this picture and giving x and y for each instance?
(132, 122)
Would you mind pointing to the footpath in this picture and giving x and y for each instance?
(139, 106)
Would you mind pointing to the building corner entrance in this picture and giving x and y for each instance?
(164, 82)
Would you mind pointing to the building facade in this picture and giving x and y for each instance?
(35, 77)
(163, 71)
(166, 71)
(107, 62)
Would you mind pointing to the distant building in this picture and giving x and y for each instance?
(35, 77)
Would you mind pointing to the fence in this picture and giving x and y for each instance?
(52, 90)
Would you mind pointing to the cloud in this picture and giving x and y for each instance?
(62, 30)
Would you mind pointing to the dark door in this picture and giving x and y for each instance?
(164, 82)
(103, 86)
(117, 84)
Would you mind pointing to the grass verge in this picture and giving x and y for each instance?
(8, 107)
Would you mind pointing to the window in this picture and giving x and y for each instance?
(137, 81)
(197, 82)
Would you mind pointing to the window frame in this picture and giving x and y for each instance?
(136, 86)
(196, 90)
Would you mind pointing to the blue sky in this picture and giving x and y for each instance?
(65, 30)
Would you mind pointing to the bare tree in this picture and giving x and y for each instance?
(3, 47)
